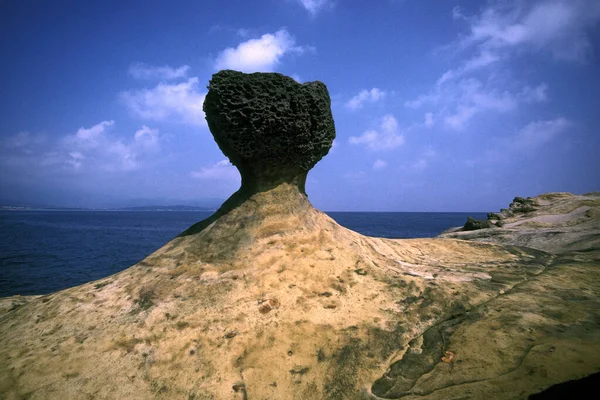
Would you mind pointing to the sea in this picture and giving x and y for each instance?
(45, 251)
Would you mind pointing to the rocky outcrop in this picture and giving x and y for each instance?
(522, 205)
(473, 224)
(552, 222)
(272, 299)
(494, 216)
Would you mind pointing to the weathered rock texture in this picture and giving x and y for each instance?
(273, 299)
(272, 128)
(552, 222)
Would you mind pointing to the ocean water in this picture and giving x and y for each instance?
(45, 251)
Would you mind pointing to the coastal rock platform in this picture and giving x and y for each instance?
(555, 222)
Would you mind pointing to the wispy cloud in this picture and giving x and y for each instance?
(429, 120)
(365, 96)
(419, 165)
(527, 141)
(147, 138)
(423, 161)
(89, 137)
(534, 95)
(89, 149)
(222, 170)
(554, 26)
(263, 54)
(539, 133)
(181, 102)
(386, 138)
(314, 6)
(480, 60)
(93, 148)
(459, 101)
(379, 165)
(502, 31)
(165, 72)
(23, 140)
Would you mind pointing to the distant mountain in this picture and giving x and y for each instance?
(208, 203)
(158, 204)
(11, 203)
(165, 208)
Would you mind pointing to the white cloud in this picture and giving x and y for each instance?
(168, 102)
(124, 157)
(149, 72)
(372, 96)
(457, 14)
(75, 159)
(89, 149)
(378, 165)
(459, 119)
(461, 100)
(89, 137)
(314, 6)
(259, 55)
(93, 148)
(554, 26)
(472, 97)
(481, 60)
(536, 94)
(222, 170)
(504, 30)
(147, 138)
(539, 133)
(387, 138)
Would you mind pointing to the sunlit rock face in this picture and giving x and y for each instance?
(272, 128)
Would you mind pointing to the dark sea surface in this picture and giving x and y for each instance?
(45, 251)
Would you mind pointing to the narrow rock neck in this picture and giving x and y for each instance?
(255, 179)
(287, 191)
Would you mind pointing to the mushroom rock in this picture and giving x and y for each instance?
(270, 298)
(272, 128)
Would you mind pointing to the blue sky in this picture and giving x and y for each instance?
(439, 105)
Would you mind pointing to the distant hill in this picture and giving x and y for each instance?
(11, 207)
(165, 208)
(171, 203)
(203, 204)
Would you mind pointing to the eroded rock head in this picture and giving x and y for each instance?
(272, 128)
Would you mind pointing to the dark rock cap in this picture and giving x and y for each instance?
(272, 128)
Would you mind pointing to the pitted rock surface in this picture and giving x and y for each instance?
(271, 127)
